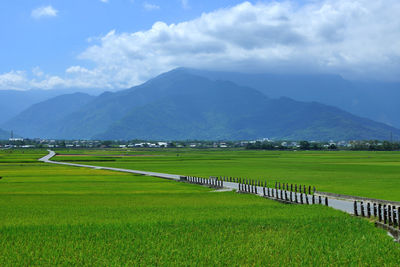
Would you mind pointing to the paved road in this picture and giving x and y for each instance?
(343, 205)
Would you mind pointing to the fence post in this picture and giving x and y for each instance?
(374, 209)
(301, 197)
(319, 200)
(304, 189)
(256, 190)
(307, 202)
(291, 197)
(295, 197)
(384, 214)
(389, 215)
(398, 217)
(300, 189)
(380, 212)
(394, 217)
(309, 189)
(291, 187)
(326, 201)
(313, 199)
(355, 208)
(362, 209)
(368, 210)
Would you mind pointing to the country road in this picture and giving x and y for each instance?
(339, 204)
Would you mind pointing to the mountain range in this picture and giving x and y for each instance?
(375, 100)
(185, 104)
(4, 134)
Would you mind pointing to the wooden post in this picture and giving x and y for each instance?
(304, 189)
(287, 187)
(368, 210)
(355, 208)
(384, 214)
(281, 193)
(255, 189)
(375, 209)
(301, 197)
(268, 192)
(398, 217)
(295, 197)
(307, 202)
(389, 215)
(362, 209)
(286, 197)
(313, 199)
(291, 197)
(319, 200)
(291, 187)
(380, 212)
(309, 189)
(326, 201)
(300, 189)
(264, 191)
(394, 217)
(276, 185)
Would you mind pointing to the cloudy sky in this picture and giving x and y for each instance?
(113, 44)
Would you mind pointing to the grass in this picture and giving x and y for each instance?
(59, 215)
(368, 174)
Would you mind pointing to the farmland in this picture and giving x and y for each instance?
(368, 174)
(68, 216)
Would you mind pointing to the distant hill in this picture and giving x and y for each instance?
(4, 135)
(13, 102)
(41, 119)
(181, 105)
(374, 100)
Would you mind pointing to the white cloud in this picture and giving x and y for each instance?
(357, 39)
(45, 11)
(149, 6)
(14, 80)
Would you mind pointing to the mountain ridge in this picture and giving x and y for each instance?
(182, 105)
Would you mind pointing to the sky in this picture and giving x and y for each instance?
(114, 44)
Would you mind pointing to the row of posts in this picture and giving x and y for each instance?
(212, 182)
(285, 186)
(291, 188)
(280, 194)
(388, 214)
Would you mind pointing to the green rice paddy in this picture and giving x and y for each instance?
(367, 174)
(60, 215)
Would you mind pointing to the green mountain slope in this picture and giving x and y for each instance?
(4, 135)
(182, 105)
(42, 119)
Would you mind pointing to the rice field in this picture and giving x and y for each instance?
(59, 215)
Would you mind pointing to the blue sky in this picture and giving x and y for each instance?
(119, 43)
(53, 42)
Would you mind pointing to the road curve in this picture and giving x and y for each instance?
(339, 204)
